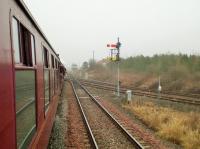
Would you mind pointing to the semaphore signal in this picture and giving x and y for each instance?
(115, 57)
(111, 45)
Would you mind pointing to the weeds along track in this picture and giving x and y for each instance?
(105, 131)
(162, 96)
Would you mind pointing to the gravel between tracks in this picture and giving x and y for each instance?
(76, 132)
(133, 128)
(106, 133)
(128, 123)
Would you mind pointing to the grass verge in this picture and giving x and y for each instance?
(178, 127)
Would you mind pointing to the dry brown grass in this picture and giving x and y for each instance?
(178, 127)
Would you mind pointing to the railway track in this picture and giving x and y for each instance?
(162, 96)
(103, 129)
(193, 94)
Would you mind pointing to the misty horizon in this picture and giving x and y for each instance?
(76, 28)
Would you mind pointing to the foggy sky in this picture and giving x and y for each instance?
(77, 27)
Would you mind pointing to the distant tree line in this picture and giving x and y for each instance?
(162, 63)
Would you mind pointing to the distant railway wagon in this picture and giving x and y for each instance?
(31, 77)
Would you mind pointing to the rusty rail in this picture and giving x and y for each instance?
(91, 136)
(128, 135)
(173, 98)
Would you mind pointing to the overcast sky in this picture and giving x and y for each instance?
(77, 27)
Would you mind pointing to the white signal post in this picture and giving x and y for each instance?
(159, 88)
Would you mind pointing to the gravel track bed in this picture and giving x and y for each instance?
(77, 136)
(105, 132)
(134, 129)
(128, 123)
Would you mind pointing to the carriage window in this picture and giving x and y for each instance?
(23, 44)
(52, 61)
(15, 40)
(56, 64)
(52, 83)
(33, 49)
(46, 88)
(25, 106)
(26, 46)
(46, 60)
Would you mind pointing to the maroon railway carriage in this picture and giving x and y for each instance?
(31, 77)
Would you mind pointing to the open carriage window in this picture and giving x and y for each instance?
(15, 40)
(46, 58)
(33, 49)
(52, 61)
(23, 44)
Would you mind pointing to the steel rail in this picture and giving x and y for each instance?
(148, 94)
(129, 136)
(172, 93)
(162, 97)
(91, 136)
